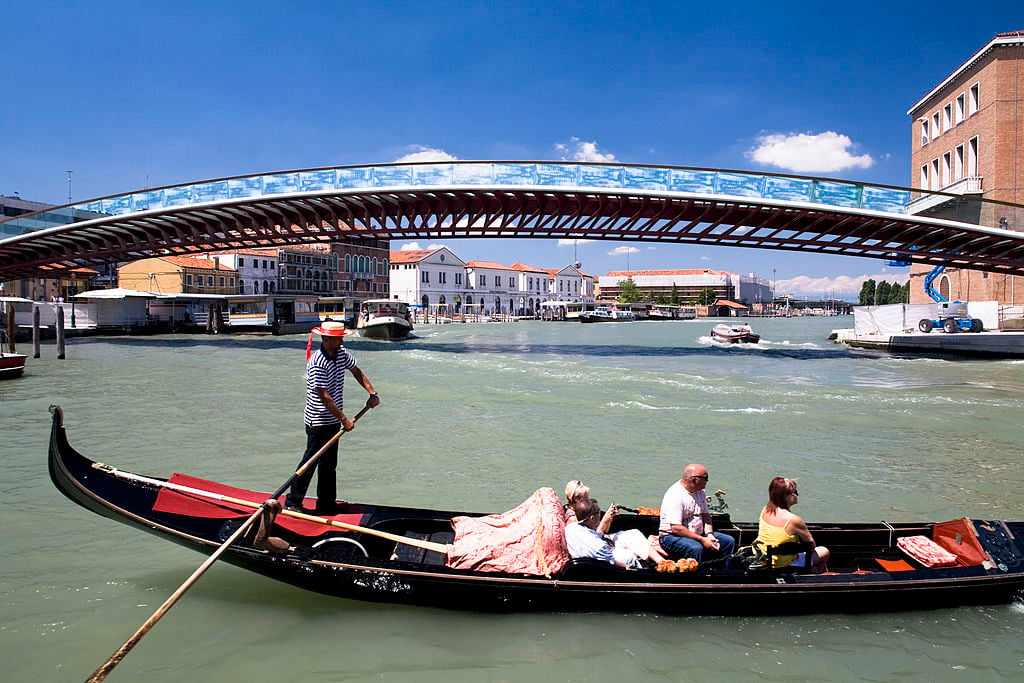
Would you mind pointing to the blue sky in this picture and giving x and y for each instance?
(134, 95)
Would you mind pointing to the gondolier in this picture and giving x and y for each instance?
(323, 413)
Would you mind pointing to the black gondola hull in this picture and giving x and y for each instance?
(339, 567)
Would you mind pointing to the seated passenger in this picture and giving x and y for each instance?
(575, 493)
(623, 548)
(777, 525)
(685, 524)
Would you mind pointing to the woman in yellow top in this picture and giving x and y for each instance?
(777, 525)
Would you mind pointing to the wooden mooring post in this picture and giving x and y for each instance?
(35, 332)
(60, 332)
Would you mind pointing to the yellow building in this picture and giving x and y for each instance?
(178, 275)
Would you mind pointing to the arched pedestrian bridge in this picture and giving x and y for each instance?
(503, 199)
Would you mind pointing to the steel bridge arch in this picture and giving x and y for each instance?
(503, 199)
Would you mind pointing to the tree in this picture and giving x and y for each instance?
(675, 295)
(867, 293)
(630, 293)
(882, 293)
(707, 297)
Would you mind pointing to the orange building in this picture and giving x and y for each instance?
(178, 275)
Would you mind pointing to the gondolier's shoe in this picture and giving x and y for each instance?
(328, 510)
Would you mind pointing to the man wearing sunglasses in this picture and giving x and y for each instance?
(685, 526)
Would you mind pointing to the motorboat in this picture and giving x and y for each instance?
(384, 319)
(607, 314)
(11, 365)
(734, 334)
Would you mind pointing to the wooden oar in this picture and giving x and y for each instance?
(119, 654)
(224, 498)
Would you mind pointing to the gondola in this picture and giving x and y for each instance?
(869, 572)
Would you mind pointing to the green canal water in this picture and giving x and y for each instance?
(476, 417)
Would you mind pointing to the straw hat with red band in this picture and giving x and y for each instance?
(332, 329)
(329, 328)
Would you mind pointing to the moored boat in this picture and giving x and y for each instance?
(11, 365)
(739, 333)
(875, 566)
(384, 319)
(607, 314)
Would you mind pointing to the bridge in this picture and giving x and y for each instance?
(503, 199)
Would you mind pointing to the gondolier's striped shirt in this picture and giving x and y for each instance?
(322, 371)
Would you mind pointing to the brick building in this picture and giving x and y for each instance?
(968, 143)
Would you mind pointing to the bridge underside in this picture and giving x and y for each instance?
(503, 212)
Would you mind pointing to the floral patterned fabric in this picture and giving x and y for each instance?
(529, 539)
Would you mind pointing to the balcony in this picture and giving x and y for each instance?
(971, 185)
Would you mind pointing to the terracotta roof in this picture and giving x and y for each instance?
(201, 263)
(730, 304)
(410, 255)
(694, 271)
(487, 264)
(523, 267)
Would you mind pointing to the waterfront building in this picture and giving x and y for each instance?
(533, 287)
(307, 269)
(495, 288)
(967, 137)
(178, 275)
(364, 268)
(428, 278)
(748, 290)
(257, 268)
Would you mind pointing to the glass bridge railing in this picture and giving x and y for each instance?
(519, 174)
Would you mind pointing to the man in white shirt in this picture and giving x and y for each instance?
(685, 526)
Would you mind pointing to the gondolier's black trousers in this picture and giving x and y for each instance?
(326, 469)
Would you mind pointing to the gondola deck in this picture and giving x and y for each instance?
(869, 572)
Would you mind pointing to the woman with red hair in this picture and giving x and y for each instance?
(777, 525)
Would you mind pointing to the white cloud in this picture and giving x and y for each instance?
(569, 243)
(840, 287)
(422, 153)
(580, 150)
(802, 152)
(415, 246)
(623, 250)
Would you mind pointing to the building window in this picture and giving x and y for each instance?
(442, 277)
(512, 282)
(188, 279)
(923, 184)
(960, 103)
(947, 159)
(425, 276)
(221, 280)
(935, 124)
(972, 156)
(209, 281)
(972, 101)
(935, 174)
(241, 262)
(924, 132)
(947, 117)
(958, 163)
(483, 280)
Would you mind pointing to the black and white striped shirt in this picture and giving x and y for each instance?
(328, 373)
